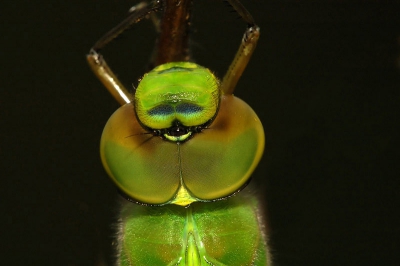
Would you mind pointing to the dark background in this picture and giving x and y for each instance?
(324, 80)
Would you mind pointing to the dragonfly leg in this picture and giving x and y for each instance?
(172, 43)
(246, 49)
(99, 65)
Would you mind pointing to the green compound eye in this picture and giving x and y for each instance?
(211, 165)
(177, 92)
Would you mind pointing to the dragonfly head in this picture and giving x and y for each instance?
(151, 150)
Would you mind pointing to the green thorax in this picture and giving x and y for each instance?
(219, 233)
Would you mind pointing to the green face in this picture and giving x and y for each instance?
(212, 164)
(177, 94)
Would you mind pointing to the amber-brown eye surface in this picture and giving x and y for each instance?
(213, 164)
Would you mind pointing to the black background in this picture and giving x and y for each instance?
(324, 80)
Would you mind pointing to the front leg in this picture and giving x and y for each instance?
(99, 65)
(246, 49)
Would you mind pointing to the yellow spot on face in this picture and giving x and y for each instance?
(183, 198)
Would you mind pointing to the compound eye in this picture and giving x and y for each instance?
(213, 164)
(143, 166)
(220, 160)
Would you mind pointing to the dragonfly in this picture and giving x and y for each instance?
(181, 149)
